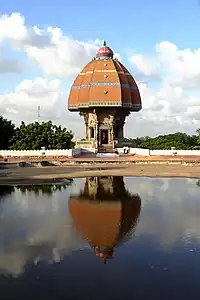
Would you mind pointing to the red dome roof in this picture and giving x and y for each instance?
(104, 82)
(104, 51)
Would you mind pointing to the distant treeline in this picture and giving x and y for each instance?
(177, 140)
(35, 135)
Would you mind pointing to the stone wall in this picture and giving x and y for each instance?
(67, 152)
(174, 152)
(148, 152)
(78, 151)
(137, 151)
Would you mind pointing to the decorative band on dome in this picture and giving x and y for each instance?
(106, 103)
(92, 84)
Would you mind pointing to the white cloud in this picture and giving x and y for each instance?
(30, 93)
(145, 64)
(54, 52)
(43, 230)
(166, 109)
(178, 66)
(22, 103)
(172, 104)
(36, 230)
(170, 209)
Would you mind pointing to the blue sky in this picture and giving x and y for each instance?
(129, 27)
(136, 24)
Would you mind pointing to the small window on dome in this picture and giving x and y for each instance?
(105, 65)
(105, 76)
(105, 92)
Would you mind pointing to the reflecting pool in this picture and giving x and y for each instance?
(111, 237)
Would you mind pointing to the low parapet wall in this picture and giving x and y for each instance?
(25, 153)
(175, 152)
(137, 151)
(148, 152)
(76, 152)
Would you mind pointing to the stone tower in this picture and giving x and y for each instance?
(104, 93)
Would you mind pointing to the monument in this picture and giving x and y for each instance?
(104, 93)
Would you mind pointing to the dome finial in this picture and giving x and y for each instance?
(104, 51)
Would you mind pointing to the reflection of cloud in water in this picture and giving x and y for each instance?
(33, 229)
(40, 228)
(170, 208)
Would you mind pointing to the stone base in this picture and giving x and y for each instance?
(84, 144)
(106, 154)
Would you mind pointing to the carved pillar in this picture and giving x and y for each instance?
(110, 130)
(97, 134)
(86, 119)
(121, 130)
(86, 131)
(110, 133)
(112, 142)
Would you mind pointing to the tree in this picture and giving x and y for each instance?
(7, 130)
(36, 135)
(198, 136)
(178, 140)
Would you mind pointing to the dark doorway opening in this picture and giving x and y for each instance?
(91, 132)
(117, 131)
(104, 137)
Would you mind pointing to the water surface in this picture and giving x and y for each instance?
(111, 237)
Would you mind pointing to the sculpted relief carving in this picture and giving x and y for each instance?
(108, 121)
(92, 119)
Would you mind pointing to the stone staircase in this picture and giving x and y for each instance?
(105, 149)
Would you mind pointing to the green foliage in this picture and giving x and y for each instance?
(7, 130)
(36, 135)
(177, 140)
(198, 182)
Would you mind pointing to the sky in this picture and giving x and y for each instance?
(44, 45)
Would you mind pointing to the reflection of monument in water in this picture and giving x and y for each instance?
(105, 213)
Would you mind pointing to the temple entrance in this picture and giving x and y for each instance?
(104, 145)
(104, 137)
